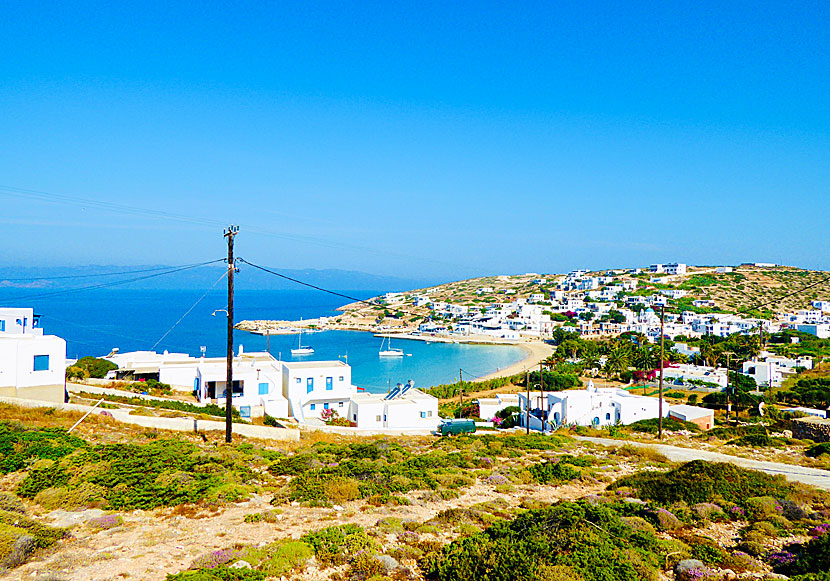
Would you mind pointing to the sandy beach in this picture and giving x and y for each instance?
(536, 352)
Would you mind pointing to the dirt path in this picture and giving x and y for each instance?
(812, 476)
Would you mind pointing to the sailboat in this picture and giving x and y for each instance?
(389, 351)
(300, 350)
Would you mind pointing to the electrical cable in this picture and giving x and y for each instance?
(321, 289)
(224, 274)
(114, 283)
(98, 275)
(780, 299)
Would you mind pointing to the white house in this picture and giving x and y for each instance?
(257, 378)
(820, 330)
(32, 365)
(313, 386)
(403, 408)
(589, 407)
(488, 406)
(822, 305)
(684, 373)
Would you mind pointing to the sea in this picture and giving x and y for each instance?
(94, 322)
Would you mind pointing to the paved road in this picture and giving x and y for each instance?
(812, 476)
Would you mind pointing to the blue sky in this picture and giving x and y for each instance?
(429, 140)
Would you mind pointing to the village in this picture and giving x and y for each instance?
(594, 305)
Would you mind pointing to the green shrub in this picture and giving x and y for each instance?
(21, 536)
(651, 426)
(700, 481)
(818, 450)
(218, 574)
(95, 367)
(19, 445)
(553, 472)
(572, 539)
(337, 544)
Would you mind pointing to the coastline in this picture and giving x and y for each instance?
(536, 352)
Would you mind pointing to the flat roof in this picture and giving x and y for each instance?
(312, 364)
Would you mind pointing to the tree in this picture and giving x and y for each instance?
(95, 367)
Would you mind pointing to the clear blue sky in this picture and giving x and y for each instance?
(427, 139)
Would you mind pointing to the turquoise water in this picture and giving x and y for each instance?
(94, 322)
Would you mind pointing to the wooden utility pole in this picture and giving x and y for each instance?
(660, 388)
(268, 340)
(542, 392)
(728, 392)
(527, 404)
(230, 232)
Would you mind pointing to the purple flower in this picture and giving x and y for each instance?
(819, 530)
(780, 559)
(496, 479)
(216, 559)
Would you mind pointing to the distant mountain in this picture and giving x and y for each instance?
(159, 277)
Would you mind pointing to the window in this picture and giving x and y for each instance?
(313, 406)
(3, 327)
(423, 414)
(607, 416)
(309, 385)
(341, 378)
(325, 406)
(329, 383)
(354, 418)
(263, 389)
(429, 414)
(41, 363)
(340, 405)
(377, 418)
(196, 384)
(299, 380)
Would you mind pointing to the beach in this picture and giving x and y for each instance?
(536, 352)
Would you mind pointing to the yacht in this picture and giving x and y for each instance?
(389, 351)
(300, 350)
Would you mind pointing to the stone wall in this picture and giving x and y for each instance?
(815, 429)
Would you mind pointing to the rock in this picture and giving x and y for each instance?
(337, 507)
(388, 562)
(687, 565)
(240, 565)
(66, 519)
(729, 574)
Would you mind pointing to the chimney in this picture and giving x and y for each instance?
(241, 349)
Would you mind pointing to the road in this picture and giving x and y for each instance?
(812, 476)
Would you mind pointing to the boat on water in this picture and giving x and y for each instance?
(299, 349)
(389, 351)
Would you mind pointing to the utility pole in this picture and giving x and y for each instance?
(268, 340)
(542, 392)
(660, 388)
(728, 403)
(230, 232)
(527, 405)
(460, 390)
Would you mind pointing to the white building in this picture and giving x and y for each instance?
(822, 305)
(685, 373)
(313, 386)
(488, 406)
(588, 407)
(771, 370)
(257, 378)
(820, 330)
(702, 417)
(403, 408)
(32, 365)
(673, 293)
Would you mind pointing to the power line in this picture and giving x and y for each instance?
(137, 211)
(319, 288)
(97, 275)
(199, 300)
(112, 284)
(788, 295)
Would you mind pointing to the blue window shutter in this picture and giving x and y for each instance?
(41, 363)
(309, 385)
(263, 389)
(329, 383)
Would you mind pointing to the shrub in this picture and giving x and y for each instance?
(818, 450)
(21, 536)
(573, 539)
(650, 426)
(762, 507)
(269, 421)
(105, 522)
(19, 445)
(553, 472)
(95, 367)
(218, 574)
(699, 481)
(338, 544)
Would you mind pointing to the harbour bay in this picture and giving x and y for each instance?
(94, 322)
